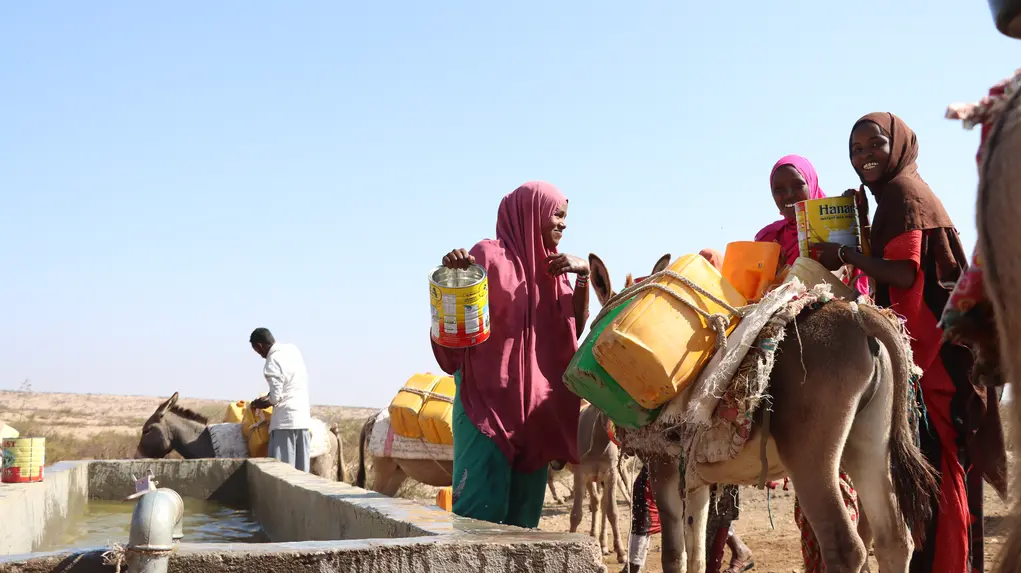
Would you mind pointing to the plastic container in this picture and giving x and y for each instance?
(255, 427)
(590, 381)
(423, 409)
(750, 267)
(437, 416)
(445, 498)
(812, 273)
(658, 345)
(23, 460)
(235, 412)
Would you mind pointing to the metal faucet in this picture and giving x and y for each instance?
(157, 522)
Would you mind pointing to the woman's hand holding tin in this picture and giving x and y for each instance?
(458, 259)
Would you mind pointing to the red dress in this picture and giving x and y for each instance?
(948, 547)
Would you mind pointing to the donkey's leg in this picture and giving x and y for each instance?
(817, 382)
(387, 476)
(666, 487)
(810, 440)
(593, 506)
(610, 513)
(867, 461)
(603, 517)
(696, 516)
(553, 487)
(577, 510)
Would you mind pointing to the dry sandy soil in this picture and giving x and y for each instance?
(80, 420)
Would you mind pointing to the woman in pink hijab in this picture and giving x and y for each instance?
(794, 179)
(513, 415)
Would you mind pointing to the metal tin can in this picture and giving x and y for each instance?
(23, 460)
(460, 306)
(828, 220)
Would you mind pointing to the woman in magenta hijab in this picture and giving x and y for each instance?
(513, 415)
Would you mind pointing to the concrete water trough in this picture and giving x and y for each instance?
(312, 524)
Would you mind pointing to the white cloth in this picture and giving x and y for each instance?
(320, 436)
(384, 442)
(288, 388)
(638, 549)
(228, 440)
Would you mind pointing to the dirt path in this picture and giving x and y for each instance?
(776, 548)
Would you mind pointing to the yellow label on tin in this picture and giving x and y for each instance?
(829, 220)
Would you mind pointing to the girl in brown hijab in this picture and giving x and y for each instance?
(916, 257)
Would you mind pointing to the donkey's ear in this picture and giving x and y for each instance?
(600, 279)
(164, 407)
(661, 264)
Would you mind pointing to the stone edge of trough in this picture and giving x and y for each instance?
(382, 533)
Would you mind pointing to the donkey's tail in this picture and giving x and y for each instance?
(341, 470)
(366, 432)
(915, 481)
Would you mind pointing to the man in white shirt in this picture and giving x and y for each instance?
(289, 438)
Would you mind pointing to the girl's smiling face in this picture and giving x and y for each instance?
(554, 229)
(789, 187)
(870, 151)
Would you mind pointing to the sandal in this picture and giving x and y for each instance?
(739, 566)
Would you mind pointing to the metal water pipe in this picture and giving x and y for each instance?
(156, 519)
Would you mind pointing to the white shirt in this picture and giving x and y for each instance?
(288, 388)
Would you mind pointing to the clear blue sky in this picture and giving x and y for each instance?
(174, 176)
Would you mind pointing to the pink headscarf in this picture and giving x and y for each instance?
(511, 385)
(785, 231)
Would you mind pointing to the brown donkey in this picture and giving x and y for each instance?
(835, 403)
(174, 428)
(998, 212)
(389, 473)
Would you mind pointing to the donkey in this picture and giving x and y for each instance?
(997, 212)
(835, 403)
(390, 473)
(596, 473)
(175, 428)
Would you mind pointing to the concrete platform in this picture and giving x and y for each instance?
(316, 525)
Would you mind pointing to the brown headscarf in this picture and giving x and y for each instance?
(906, 203)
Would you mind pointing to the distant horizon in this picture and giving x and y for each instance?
(183, 397)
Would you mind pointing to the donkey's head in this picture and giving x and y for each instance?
(169, 427)
(601, 277)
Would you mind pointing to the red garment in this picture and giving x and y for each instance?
(511, 386)
(650, 500)
(951, 543)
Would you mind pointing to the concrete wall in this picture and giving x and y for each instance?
(316, 525)
(298, 506)
(540, 554)
(222, 480)
(29, 510)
